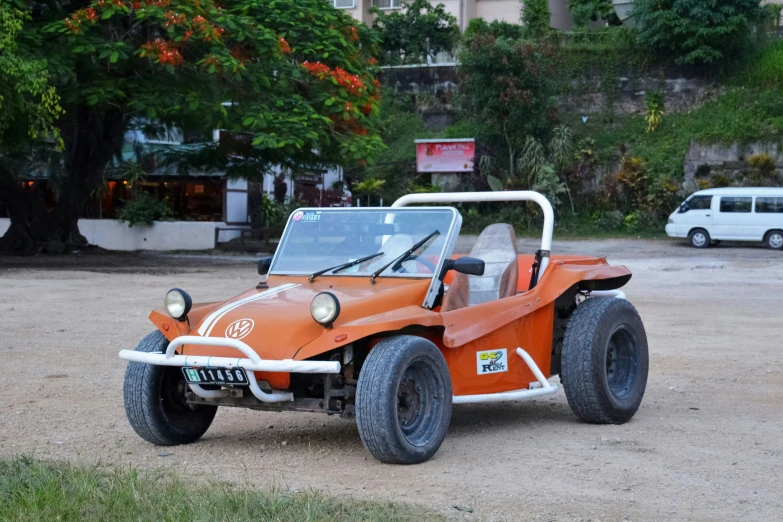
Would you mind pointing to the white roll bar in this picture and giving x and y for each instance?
(510, 195)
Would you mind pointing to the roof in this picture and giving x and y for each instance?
(741, 191)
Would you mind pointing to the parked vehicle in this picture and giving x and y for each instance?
(735, 214)
(366, 313)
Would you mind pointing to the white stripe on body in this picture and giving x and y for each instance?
(212, 319)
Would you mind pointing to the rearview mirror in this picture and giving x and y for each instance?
(263, 265)
(464, 265)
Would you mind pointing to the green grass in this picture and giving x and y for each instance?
(34, 490)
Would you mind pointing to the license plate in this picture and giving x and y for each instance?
(216, 376)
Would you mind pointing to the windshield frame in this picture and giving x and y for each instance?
(448, 245)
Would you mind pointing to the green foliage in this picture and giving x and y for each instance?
(535, 18)
(765, 70)
(417, 31)
(696, 31)
(611, 221)
(496, 28)
(505, 84)
(144, 209)
(549, 184)
(29, 104)
(273, 214)
(654, 103)
(763, 171)
(532, 159)
(369, 186)
(34, 491)
(586, 11)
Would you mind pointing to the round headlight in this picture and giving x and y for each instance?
(177, 303)
(325, 308)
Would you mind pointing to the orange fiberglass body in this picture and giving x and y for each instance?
(289, 332)
(366, 313)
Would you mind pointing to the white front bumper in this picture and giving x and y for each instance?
(252, 363)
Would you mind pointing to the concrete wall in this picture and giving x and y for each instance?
(684, 88)
(163, 235)
(729, 161)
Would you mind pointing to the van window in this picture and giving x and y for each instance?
(736, 204)
(769, 205)
(699, 203)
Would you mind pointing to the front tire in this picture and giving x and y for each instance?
(403, 400)
(155, 400)
(699, 238)
(605, 361)
(774, 239)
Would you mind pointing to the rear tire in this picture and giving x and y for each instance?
(774, 239)
(403, 400)
(605, 361)
(699, 238)
(155, 400)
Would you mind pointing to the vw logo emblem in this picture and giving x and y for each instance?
(239, 328)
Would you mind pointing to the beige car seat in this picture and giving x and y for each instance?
(497, 247)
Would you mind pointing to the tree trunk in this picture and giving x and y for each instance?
(90, 141)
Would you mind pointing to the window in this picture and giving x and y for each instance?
(736, 204)
(387, 4)
(344, 4)
(698, 203)
(769, 205)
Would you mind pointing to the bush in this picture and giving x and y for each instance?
(144, 209)
(611, 221)
(695, 31)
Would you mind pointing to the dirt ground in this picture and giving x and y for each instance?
(706, 444)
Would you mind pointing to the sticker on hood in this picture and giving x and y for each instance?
(240, 328)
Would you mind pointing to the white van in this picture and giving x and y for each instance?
(734, 214)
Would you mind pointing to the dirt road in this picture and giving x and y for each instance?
(707, 443)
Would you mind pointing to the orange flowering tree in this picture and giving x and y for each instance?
(293, 78)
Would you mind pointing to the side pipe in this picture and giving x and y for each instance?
(542, 387)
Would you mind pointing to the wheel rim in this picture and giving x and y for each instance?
(177, 411)
(699, 239)
(419, 402)
(622, 363)
(776, 240)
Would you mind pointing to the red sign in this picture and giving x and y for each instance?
(445, 155)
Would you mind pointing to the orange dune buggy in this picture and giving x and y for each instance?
(366, 313)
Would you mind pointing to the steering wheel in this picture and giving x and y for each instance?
(423, 260)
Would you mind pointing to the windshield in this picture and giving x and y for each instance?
(317, 239)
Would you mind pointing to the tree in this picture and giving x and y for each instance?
(585, 11)
(506, 84)
(417, 31)
(696, 31)
(29, 107)
(535, 18)
(293, 80)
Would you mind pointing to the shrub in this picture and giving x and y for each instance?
(144, 209)
(764, 171)
(695, 31)
(610, 221)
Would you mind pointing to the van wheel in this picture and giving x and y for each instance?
(774, 239)
(403, 400)
(155, 400)
(605, 361)
(699, 238)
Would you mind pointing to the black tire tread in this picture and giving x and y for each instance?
(376, 428)
(140, 404)
(580, 368)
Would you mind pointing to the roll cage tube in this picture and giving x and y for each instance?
(510, 195)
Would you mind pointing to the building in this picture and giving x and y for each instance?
(463, 10)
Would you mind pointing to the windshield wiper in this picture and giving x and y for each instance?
(399, 260)
(338, 268)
